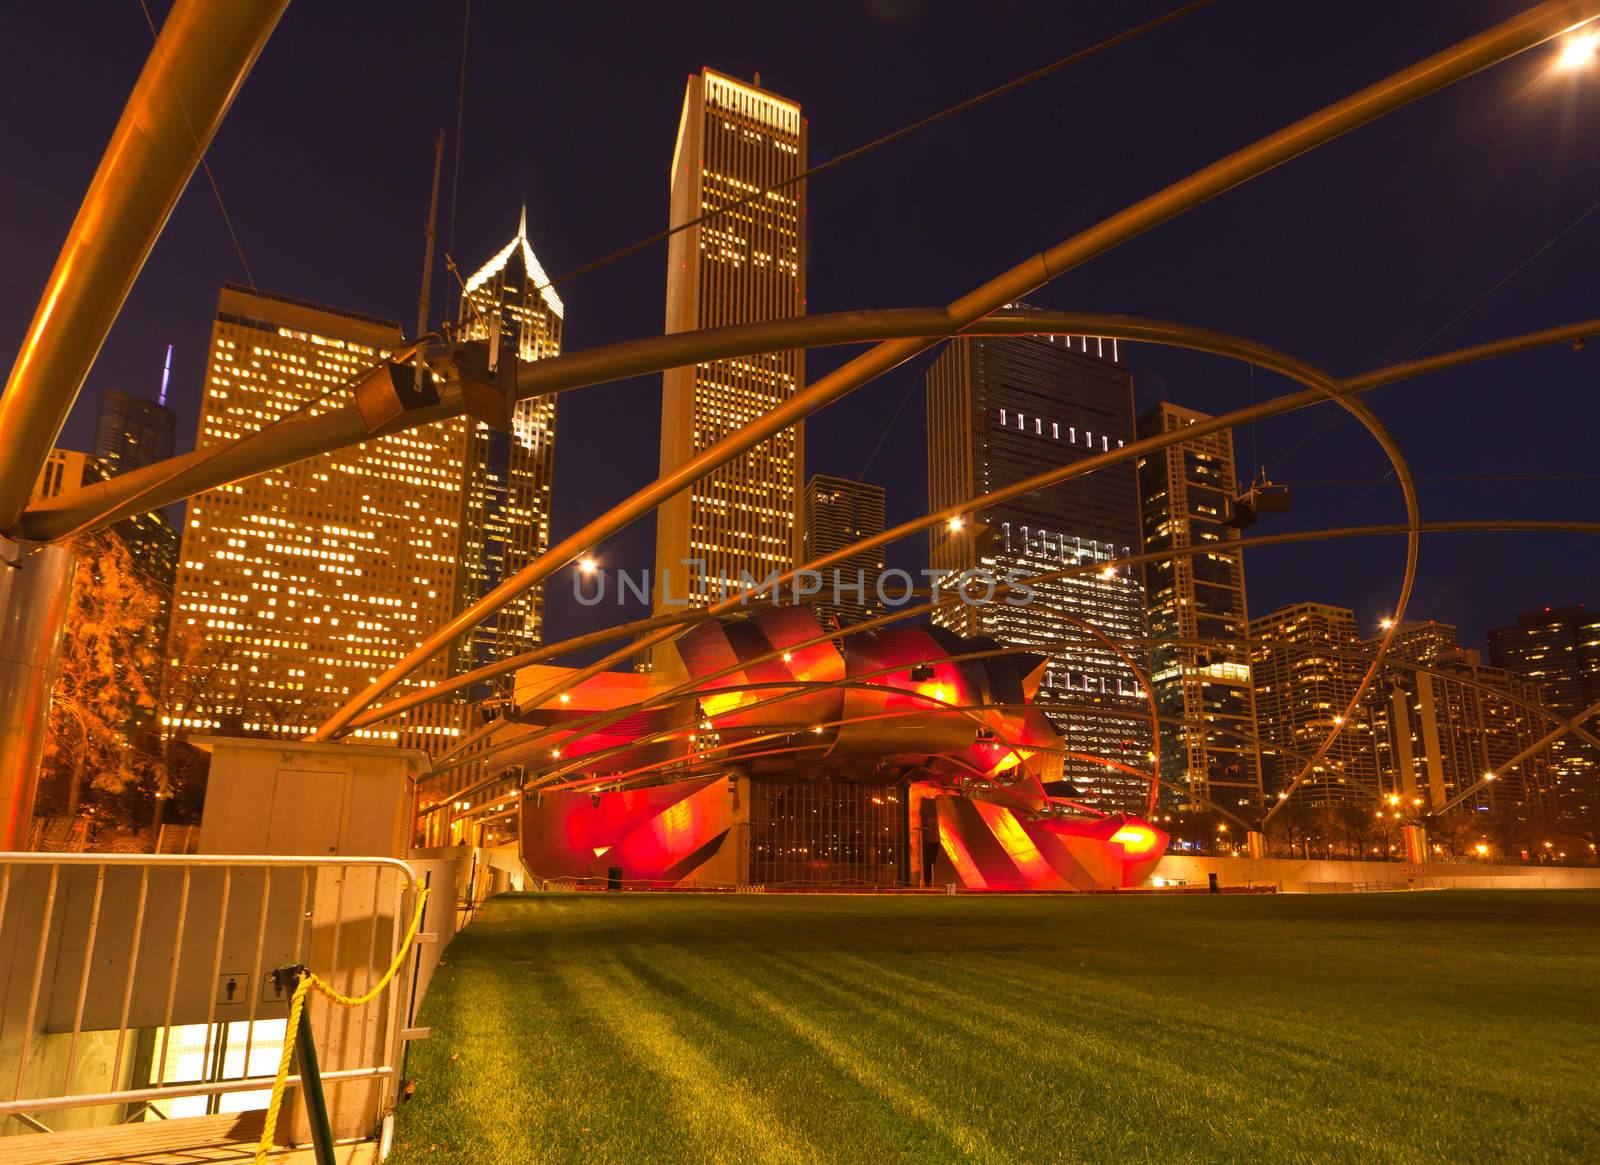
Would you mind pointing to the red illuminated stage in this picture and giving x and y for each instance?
(912, 758)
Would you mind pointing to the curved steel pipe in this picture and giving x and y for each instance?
(1489, 47)
(601, 720)
(195, 69)
(301, 435)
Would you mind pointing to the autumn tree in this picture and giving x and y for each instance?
(102, 709)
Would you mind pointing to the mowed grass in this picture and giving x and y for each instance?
(1456, 1026)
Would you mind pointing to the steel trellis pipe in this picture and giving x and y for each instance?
(1319, 382)
(600, 720)
(1496, 44)
(194, 71)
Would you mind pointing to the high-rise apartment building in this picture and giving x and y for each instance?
(1305, 663)
(507, 475)
(1558, 649)
(1436, 733)
(133, 433)
(301, 585)
(839, 512)
(735, 140)
(1200, 664)
(1426, 641)
(1001, 410)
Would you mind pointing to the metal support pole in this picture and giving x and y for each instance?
(35, 592)
(305, 1051)
(194, 71)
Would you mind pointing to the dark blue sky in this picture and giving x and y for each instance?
(1350, 257)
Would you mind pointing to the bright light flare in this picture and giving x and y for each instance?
(1578, 51)
(587, 565)
(1136, 839)
(955, 523)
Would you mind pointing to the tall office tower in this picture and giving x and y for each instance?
(1306, 662)
(1000, 411)
(837, 513)
(1199, 663)
(133, 433)
(301, 585)
(507, 475)
(1436, 732)
(1558, 648)
(734, 140)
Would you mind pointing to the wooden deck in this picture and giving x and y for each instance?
(198, 1140)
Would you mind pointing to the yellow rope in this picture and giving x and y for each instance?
(297, 1004)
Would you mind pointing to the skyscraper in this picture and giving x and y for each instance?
(1425, 641)
(301, 585)
(1558, 649)
(1200, 664)
(507, 475)
(839, 512)
(1305, 663)
(1001, 410)
(133, 432)
(734, 140)
(1437, 732)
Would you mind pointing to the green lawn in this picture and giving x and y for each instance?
(1456, 1026)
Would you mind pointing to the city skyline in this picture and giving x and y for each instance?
(562, 174)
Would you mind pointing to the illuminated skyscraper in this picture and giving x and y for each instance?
(133, 433)
(507, 475)
(839, 512)
(1558, 648)
(1001, 410)
(299, 586)
(1436, 732)
(734, 140)
(1305, 663)
(1425, 641)
(1200, 663)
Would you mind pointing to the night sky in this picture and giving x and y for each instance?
(1351, 257)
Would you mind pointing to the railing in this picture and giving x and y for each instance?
(127, 979)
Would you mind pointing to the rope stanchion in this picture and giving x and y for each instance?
(297, 1002)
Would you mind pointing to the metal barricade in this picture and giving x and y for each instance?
(107, 959)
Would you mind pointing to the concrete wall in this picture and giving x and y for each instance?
(1296, 876)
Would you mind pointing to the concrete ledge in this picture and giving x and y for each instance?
(1319, 876)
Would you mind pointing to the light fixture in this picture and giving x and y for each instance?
(587, 565)
(1386, 622)
(956, 523)
(1577, 50)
